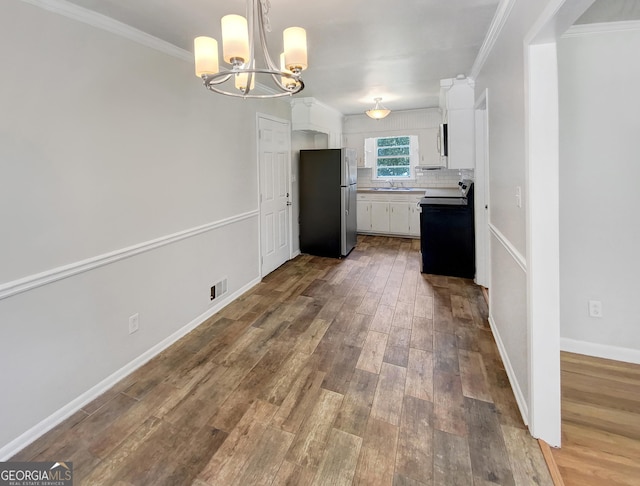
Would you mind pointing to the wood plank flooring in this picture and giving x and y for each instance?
(600, 422)
(360, 371)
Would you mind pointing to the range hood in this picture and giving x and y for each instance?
(430, 167)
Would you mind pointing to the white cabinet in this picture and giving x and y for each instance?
(364, 215)
(389, 214)
(457, 99)
(379, 217)
(356, 141)
(399, 218)
(461, 132)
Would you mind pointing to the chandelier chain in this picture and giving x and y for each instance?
(266, 6)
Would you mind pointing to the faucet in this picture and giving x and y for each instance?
(390, 182)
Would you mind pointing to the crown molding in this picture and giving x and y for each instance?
(99, 21)
(579, 30)
(499, 19)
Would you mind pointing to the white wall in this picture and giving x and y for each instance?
(599, 198)
(125, 188)
(502, 74)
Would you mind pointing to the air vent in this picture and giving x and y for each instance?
(219, 289)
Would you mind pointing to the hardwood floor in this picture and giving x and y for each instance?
(600, 422)
(359, 371)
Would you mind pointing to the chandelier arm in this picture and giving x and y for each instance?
(250, 96)
(277, 79)
(212, 80)
(218, 78)
(263, 37)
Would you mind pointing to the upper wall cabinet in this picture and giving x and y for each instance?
(308, 114)
(456, 101)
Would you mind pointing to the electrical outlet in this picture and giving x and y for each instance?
(595, 308)
(134, 323)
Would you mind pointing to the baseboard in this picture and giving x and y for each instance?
(22, 441)
(606, 351)
(515, 386)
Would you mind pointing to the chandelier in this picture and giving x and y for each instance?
(238, 50)
(378, 111)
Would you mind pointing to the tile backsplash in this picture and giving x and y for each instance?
(428, 178)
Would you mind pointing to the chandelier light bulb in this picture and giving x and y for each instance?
(206, 54)
(295, 48)
(235, 39)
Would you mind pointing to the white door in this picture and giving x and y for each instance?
(274, 152)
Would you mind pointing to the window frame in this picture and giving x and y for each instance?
(373, 157)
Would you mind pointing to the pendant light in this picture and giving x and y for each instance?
(378, 112)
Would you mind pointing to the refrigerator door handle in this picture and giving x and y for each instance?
(348, 200)
(348, 164)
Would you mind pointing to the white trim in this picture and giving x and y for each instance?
(19, 443)
(481, 212)
(601, 28)
(513, 251)
(606, 351)
(543, 240)
(31, 282)
(515, 386)
(95, 19)
(499, 19)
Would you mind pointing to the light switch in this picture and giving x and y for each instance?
(518, 196)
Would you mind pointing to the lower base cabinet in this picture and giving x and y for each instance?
(379, 217)
(389, 214)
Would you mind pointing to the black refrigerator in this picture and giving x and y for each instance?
(328, 183)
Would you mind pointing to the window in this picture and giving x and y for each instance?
(392, 157)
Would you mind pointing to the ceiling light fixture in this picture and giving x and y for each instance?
(238, 46)
(378, 112)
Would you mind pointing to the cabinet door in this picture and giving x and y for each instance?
(461, 139)
(364, 216)
(414, 219)
(356, 141)
(379, 217)
(399, 218)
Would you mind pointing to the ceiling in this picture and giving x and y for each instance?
(611, 11)
(358, 49)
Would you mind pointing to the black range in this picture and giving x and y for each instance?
(447, 236)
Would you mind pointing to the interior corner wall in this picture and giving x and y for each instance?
(115, 162)
(599, 197)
